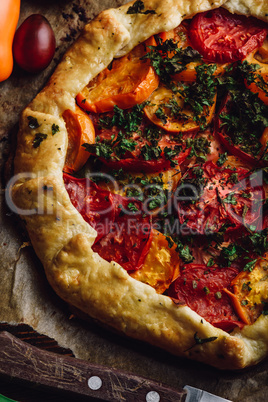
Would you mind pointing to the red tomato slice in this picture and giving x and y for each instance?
(96, 205)
(129, 239)
(253, 155)
(224, 37)
(218, 200)
(123, 231)
(201, 288)
(141, 156)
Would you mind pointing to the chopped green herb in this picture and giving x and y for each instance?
(218, 295)
(200, 341)
(32, 122)
(132, 207)
(222, 159)
(138, 7)
(55, 129)
(38, 138)
(206, 290)
(164, 64)
(160, 114)
(230, 199)
(210, 262)
(250, 265)
(265, 308)
(246, 287)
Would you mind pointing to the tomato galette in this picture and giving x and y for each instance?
(142, 176)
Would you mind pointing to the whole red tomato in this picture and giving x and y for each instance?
(34, 44)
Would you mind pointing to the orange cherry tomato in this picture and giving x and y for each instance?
(80, 130)
(129, 82)
(9, 15)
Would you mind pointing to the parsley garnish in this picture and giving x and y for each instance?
(200, 147)
(184, 252)
(250, 265)
(201, 341)
(210, 262)
(32, 122)
(100, 149)
(39, 137)
(230, 254)
(160, 114)
(165, 65)
(230, 199)
(149, 152)
(246, 287)
(265, 308)
(200, 95)
(55, 129)
(138, 7)
(244, 116)
(171, 153)
(222, 159)
(132, 207)
(128, 120)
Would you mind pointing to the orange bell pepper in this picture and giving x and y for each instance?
(9, 15)
(80, 130)
(129, 82)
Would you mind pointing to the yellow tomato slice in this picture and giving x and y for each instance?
(138, 183)
(161, 265)
(168, 111)
(250, 291)
(130, 81)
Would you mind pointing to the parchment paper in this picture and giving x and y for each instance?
(26, 297)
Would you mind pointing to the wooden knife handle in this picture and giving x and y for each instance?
(56, 372)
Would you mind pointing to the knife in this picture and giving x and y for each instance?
(30, 364)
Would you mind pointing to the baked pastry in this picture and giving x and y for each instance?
(140, 304)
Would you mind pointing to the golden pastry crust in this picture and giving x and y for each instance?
(63, 240)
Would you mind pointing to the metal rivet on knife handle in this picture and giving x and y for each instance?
(152, 396)
(94, 382)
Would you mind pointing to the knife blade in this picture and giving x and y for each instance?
(79, 378)
(198, 395)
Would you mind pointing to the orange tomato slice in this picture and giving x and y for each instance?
(260, 56)
(178, 120)
(264, 140)
(250, 291)
(80, 129)
(129, 82)
(161, 265)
